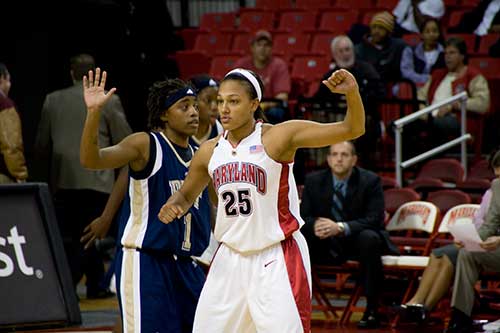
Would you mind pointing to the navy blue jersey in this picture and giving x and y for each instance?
(214, 131)
(148, 190)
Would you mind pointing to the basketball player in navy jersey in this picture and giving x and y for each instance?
(259, 279)
(158, 283)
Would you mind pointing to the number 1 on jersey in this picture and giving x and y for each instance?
(186, 243)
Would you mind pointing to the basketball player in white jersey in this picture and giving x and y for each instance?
(259, 280)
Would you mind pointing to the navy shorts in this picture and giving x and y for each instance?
(157, 292)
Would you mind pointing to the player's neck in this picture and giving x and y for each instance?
(238, 134)
(179, 139)
(203, 129)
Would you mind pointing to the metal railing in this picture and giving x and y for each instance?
(400, 123)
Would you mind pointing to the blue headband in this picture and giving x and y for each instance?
(200, 83)
(177, 95)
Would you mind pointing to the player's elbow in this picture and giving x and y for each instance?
(88, 163)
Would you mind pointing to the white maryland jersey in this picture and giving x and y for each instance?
(258, 200)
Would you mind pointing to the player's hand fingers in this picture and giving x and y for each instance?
(89, 243)
(97, 76)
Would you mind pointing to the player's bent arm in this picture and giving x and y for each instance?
(133, 150)
(196, 180)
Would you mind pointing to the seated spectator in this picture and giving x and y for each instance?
(437, 277)
(273, 72)
(471, 264)
(411, 14)
(481, 20)
(449, 81)
(418, 61)
(343, 210)
(13, 164)
(370, 88)
(380, 49)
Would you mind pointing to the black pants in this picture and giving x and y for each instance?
(367, 247)
(75, 209)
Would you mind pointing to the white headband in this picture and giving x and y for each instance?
(250, 78)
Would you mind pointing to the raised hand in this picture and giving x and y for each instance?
(93, 90)
(341, 82)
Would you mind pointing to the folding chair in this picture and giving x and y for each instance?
(413, 216)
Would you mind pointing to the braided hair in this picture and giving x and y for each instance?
(158, 93)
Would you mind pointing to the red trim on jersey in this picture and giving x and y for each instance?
(213, 258)
(288, 222)
(298, 281)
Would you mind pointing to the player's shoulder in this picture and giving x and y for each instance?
(207, 148)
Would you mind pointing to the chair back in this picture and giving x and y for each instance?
(461, 214)
(414, 215)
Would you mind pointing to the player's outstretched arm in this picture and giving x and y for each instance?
(313, 134)
(133, 148)
(196, 180)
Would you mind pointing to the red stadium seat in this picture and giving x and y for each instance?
(191, 63)
(338, 22)
(188, 35)
(309, 68)
(386, 4)
(241, 42)
(486, 42)
(446, 169)
(313, 4)
(412, 39)
(388, 182)
(446, 199)
(367, 16)
(358, 4)
(481, 169)
(253, 21)
(273, 5)
(210, 43)
(475, 187)
(321, 43)
(395, 197)
(221, 65)
(455, 17)
(489, 67)
(290, 44)
(297, 21)
(218, 21)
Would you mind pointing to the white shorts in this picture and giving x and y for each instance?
(269, 291)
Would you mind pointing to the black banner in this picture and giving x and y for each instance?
(35, 282)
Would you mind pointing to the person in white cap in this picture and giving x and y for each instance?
(260, 276)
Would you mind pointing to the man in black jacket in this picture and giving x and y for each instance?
(371, 89)
(343, 208)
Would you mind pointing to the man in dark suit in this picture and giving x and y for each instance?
(343, 208)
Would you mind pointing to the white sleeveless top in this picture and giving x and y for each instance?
(258, 200)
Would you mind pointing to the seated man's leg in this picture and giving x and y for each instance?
(370, 244)
(469, 265)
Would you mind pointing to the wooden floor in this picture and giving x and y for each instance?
(99, 316)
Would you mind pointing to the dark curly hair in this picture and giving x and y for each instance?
(158, 93)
